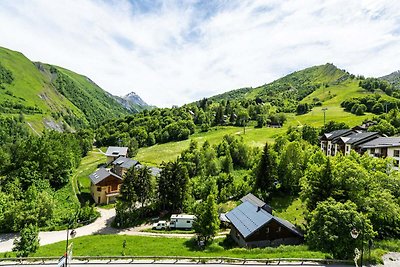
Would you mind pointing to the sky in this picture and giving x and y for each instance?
(176, 52)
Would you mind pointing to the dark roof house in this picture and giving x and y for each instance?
(125, 162)
(122, 164)
(101, 174)
(256, 201)
(382, 142)
(354, 141)
(336, 134)
(113, 152)
(252, 226)
(105, 186)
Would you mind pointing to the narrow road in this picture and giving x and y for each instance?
(172, 263)
(101, 226)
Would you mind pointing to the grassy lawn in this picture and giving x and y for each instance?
(256, 137)
(111, 245)
(156, 154)
(289, 208)
(81, 179)
(150, 230)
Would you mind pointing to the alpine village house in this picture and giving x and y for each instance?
(106, 181)
(359, 140)
(254, 225)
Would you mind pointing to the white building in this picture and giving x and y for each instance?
(384, 147)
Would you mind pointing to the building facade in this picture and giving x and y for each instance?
(105, 186)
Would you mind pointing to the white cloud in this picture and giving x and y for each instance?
(177, 52)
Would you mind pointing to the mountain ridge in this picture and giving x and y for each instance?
(50, 96)
(287, 91)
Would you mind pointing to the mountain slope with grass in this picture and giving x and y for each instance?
(52, 97)
(393, 78)
(287, 91)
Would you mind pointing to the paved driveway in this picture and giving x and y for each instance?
(101, 226)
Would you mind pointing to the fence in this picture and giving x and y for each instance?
(164, 259)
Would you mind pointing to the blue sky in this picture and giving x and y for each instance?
(175, 52)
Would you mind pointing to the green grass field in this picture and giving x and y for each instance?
(80, 178)
(289, 208)
(111, 245)
(256, 137)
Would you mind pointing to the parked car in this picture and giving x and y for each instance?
(160, 225)
(182, 221)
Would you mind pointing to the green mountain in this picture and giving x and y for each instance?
(393, 78)
(287, 91)
(53, 97)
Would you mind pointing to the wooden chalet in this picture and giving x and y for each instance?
(254, 226)
(105, 186)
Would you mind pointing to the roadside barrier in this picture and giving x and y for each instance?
(166, 259)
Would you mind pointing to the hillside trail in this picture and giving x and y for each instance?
(101, 226)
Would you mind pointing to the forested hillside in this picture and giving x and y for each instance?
(35, 188)
(52, 97)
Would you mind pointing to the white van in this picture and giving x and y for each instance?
(160, 225)
(182, 221)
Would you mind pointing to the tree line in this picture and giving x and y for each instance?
(34, 176)
(163, 125)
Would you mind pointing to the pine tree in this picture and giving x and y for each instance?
(265, 172)
(207, 221)
(127, 193)
(143, 185)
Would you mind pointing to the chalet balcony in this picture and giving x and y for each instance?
(112, 193)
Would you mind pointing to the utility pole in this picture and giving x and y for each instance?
(324, 110)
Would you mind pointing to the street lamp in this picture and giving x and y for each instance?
(72, 234)
(354, 234)
(324, 110)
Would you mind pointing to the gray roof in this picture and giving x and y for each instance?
(382, 142)
(101, 174)
(256, 201)
(358, 137)
(334, 134)
(223, 218)
(247, 218)
(155, 171)
(125, 162)
(253, 199)
(116, 151)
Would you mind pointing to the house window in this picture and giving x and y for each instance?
(187, 221)
(279, 229)
(267, 230)
(372, 150)
(396, 153)
(347, 148)
(98, 189)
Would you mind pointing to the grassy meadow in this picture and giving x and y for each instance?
(98, 245)
(256, 137)
(80, 178)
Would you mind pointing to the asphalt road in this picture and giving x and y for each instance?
(101, 226)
